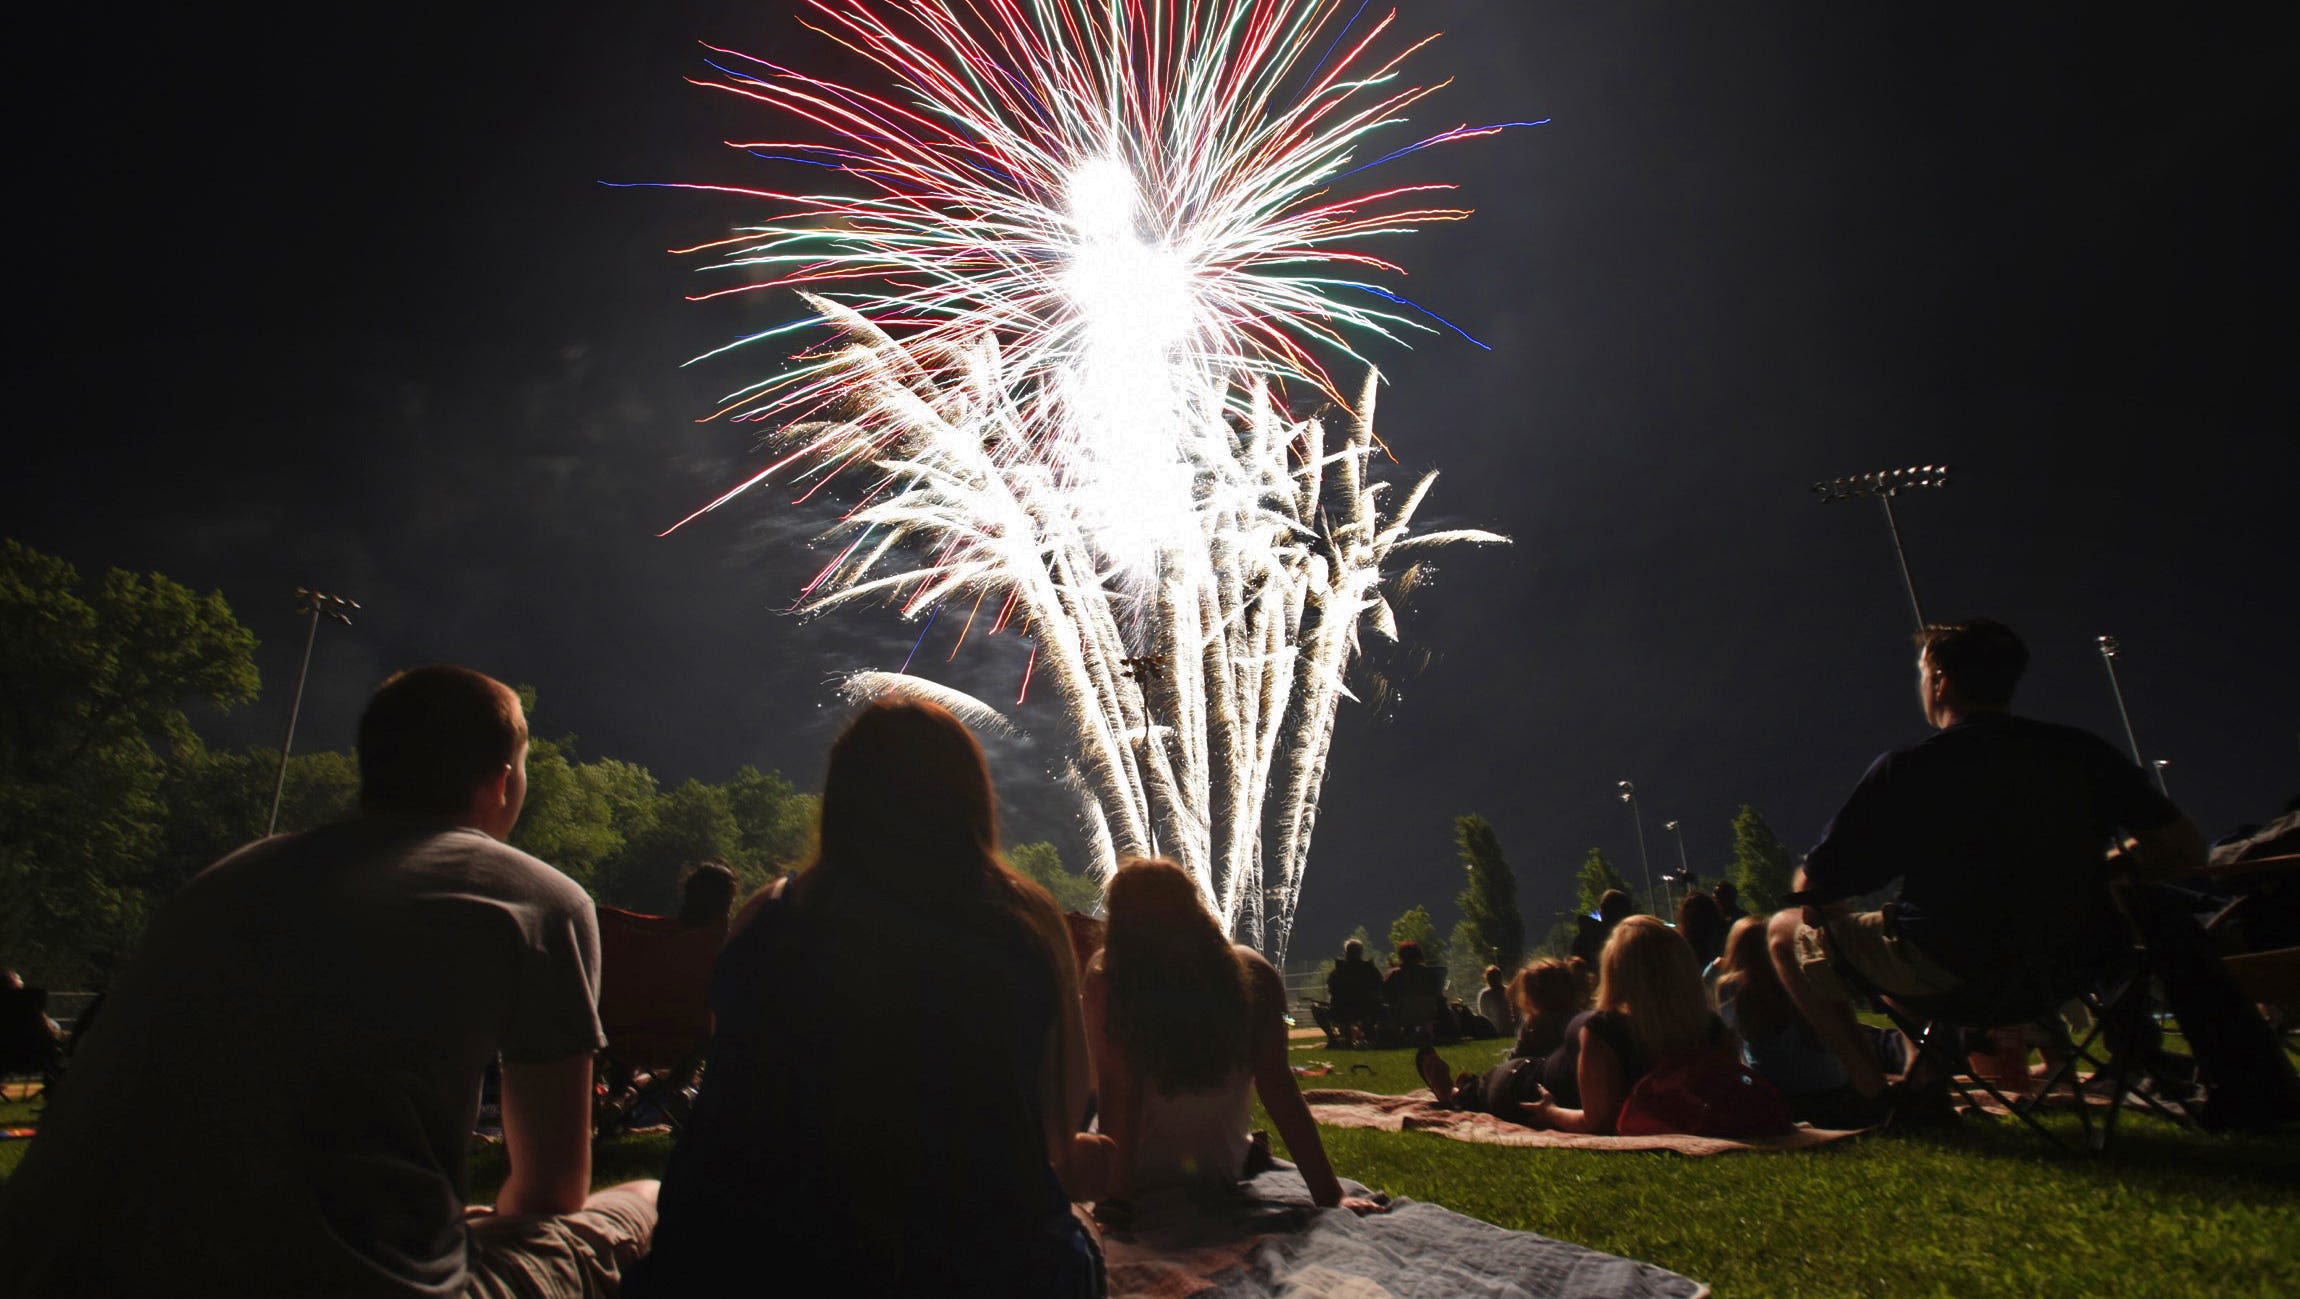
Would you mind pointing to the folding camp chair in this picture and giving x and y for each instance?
(2113, 990)
(655, 1006)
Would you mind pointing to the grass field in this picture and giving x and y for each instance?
(1980, 1209)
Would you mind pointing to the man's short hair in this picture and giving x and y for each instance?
(1614, 905)
(1981, 657)
(1409, 952)
(432, 735)
(1353, 950)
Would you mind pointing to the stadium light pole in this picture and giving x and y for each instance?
(1684, 868)
(1637, 818)
(1884, 485)
(315, 605)
(2160, 764)
(2109, 649)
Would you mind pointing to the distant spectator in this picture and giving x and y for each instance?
(1354, 990)
(707, 896)
(1413, 994)
(1493, 1003)
(1729, 901)
(1703, 925)
(1187, 1028)
(1613, 907)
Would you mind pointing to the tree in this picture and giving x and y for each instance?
(775, 824)
(1762, 867)
(1042, 862)
(1596, 878)
(1465, 962)
(92, 692)
(693, 823)
(568, 820)
(1489, 902)
(1414, 926)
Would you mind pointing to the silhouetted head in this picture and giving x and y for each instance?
(907, 800)
(1727, 894)
(707, 894)
(1409, 952)
(1966, 667)
(1702, 924)
(1353, 950)
(1546, 987)
(1614, 906)
(1648, 976)
(444, 741)
(1493, 979)
(1178, 1005)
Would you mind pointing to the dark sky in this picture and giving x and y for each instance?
(345, 305)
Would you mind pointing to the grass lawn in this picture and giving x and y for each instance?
(1981, 1209)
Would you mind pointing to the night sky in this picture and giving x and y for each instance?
(337, 301)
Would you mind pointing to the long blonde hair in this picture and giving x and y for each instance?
(1647, 975)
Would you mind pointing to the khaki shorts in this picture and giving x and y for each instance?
(581, 1254)
(1877, 954)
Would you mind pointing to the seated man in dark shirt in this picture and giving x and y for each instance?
(1354, 991)
(1414, 992)
(1998, 828)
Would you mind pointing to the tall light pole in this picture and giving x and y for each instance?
(1883, 485)
(1684, 868)
(2108, 652)
(2160, 764)
(1629, 796)
(316, 605)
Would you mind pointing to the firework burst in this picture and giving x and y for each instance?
(1088, 256)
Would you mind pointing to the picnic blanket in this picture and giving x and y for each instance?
(1270, 1241)
(1418, 1111)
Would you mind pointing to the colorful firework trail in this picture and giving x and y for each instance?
(1098, 248)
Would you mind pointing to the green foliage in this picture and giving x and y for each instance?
(1416, 926)
(1489, 902)
(1594, 879)
(1762, 867)
(567, 820)
(1042, 862)
(692, 823)
(774, 822)
(93, 685)
(1465, 962)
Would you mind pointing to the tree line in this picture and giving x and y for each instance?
(110, 800)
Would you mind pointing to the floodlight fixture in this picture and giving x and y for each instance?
(1884, 484)
(1637, 818)
(2109, 649)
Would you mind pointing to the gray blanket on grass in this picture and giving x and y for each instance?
(1269, 1241)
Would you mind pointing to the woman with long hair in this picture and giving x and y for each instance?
(1184, 1024)
(1649, 1007)
(1546, 997)
(939, 1177)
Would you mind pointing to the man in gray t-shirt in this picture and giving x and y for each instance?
(280, 1092)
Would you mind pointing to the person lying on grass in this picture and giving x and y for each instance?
(1650, 1006)
(1182, 1025)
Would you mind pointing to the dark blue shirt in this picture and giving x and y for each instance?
(1996, 828)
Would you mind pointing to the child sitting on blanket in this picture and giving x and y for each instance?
(1650, 1006)
(1182, 1024)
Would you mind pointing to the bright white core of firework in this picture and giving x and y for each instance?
(1134, 388)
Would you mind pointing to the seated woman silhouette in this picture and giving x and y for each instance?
(936, 1177)
(1184, 1025)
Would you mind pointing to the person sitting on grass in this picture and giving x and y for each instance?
(1547, 998)
(1779, 1045)
(1650, 1007)
(1413, 994)
(943, 1176)
(281, 1093)
(1184, 1026)
(707, 895)
(1354, 988)
(1493, 1002)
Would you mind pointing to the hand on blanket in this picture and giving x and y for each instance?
(1362, 1206)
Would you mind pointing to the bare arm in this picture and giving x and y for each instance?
(1119, 1100)
(547, 1134)
(1602, 1091)
(1066, 1072)
(1282, 1096)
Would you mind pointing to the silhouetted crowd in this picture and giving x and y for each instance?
(281, 1094)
